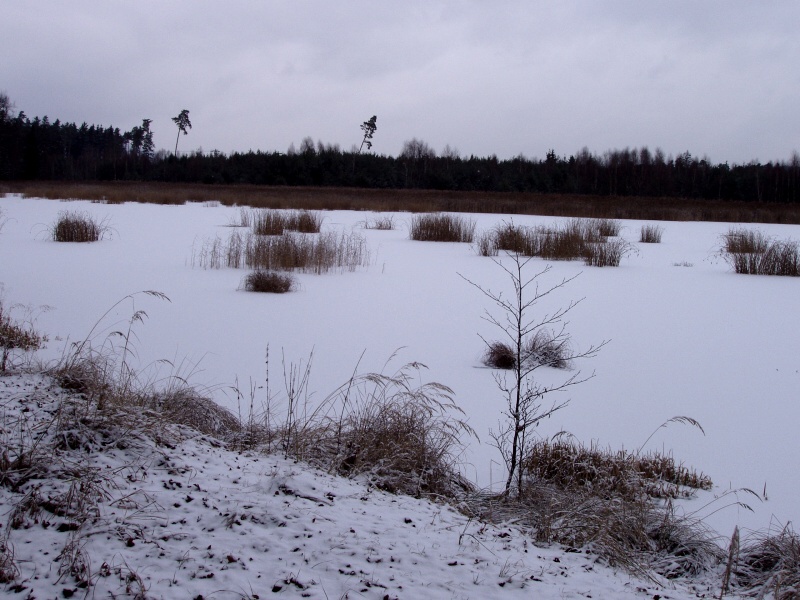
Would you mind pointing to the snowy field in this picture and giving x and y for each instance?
(686, 335)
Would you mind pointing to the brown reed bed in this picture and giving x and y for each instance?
(383, 200)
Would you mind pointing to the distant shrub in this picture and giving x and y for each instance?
(651, 234)
(76, 226)
(440, 227)
(267, 281)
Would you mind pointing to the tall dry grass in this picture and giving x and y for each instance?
(301, 252)
(438, 227)
(651, 234)
(751, 252)
(402, 435)
(275, 222)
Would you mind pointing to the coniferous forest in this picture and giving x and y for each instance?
(38, 149)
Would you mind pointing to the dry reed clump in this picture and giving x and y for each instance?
(308, 254)
(544, 348)
(751, 252)
(16, 336)
(637, 535)
(739, 240)
(291, 251)
(76, 226)
(607, 227)
(567, 242)
(651, 234)
(548, 349)
(440, 227)
(573, 466)
(515, 238)
(380, 222)
(268, 282)
(499, 355)
(401, 436)
(769, 563)
(606, 254)
(274, 222)
(604, 501)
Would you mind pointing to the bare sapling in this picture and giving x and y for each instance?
(519, 324)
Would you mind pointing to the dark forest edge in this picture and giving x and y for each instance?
(57, 159)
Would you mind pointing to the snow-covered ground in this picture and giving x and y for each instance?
(188, 519)
(692, 340)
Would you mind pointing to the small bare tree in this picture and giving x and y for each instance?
(524, 396)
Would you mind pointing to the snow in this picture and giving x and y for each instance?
(683, 340)
(188, 519)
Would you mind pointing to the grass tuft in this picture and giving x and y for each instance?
(16, 336)
(441, 227)
(548, 349)
(606, 254)
(77, 226)
(769, 563)
(500, 355)
(269, 282)
(651, 234)
(381, 222)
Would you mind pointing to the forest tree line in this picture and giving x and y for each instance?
(40, 149)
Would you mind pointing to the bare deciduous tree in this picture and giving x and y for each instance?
(524, 396)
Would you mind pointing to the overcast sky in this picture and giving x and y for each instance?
(716, 78)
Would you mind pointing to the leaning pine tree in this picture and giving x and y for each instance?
(183, 123)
